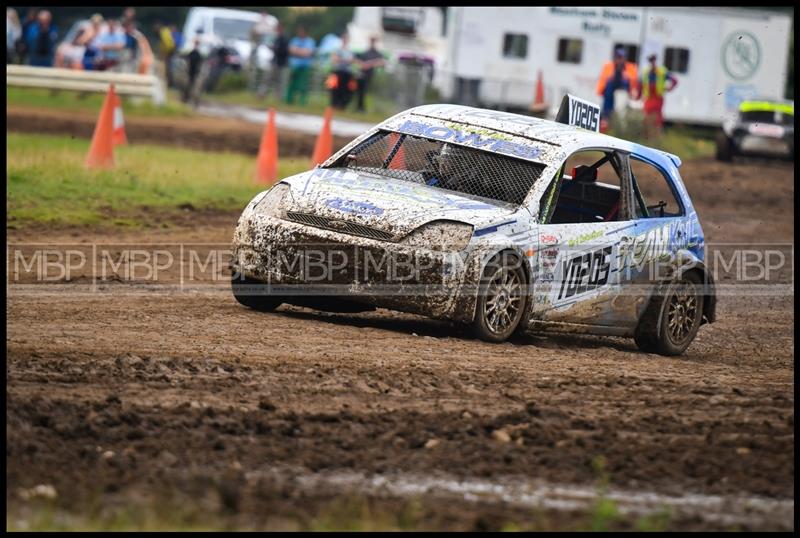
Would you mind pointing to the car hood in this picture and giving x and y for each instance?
(387, 204)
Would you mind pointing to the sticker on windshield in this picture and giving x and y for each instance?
(471, 139)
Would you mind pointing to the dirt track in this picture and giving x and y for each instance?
(262, 420)
(203, 133)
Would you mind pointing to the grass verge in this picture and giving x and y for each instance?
(92, 102)
(48, 184)
(683, 141)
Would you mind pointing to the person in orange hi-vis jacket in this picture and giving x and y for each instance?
(616, 74)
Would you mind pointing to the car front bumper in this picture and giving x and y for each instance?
(763, 145)
(298, 260)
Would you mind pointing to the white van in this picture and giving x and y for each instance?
(219, 26)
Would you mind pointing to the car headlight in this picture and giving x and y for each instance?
(270, 204)
(440, 235)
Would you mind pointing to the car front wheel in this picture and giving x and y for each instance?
(671, 321)
(254, 294)
(502, 299)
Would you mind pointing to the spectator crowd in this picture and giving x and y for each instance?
(116, 43)
(349, 73)
(96, 44)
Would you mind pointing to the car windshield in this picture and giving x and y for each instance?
(491, 177)
(233, 28)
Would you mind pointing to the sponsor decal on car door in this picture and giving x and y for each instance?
(579, 273)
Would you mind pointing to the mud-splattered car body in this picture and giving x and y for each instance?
(578, 275)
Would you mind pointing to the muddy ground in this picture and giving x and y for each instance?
(203, 133)
(135, 397)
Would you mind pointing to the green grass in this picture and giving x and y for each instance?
(348, 513)
(47, 182)
(92, 102)
(685, 142)
(377, 109)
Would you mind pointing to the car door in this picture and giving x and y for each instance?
(584, 217)
(661, 226)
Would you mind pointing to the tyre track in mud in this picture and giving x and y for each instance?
(120, 395)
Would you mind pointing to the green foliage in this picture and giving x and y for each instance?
(47, 182)
(231, 82)
(658, 522)
(356, 513)
(685, 142)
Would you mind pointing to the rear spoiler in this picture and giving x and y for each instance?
(579, 113)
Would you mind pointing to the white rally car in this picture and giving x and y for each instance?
(504, 222)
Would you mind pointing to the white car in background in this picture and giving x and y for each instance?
(226, 27)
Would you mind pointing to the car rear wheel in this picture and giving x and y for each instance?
(502, 299)
(253, 294)
(671, 321)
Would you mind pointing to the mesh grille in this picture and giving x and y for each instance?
(339, 226)
(446, 166)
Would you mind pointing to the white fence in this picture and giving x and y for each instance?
(87, 81)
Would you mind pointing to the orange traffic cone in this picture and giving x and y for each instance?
(101, 152)
(398, 162)
(267, 162)
(118, 135)
(324, 146)
(538, 99)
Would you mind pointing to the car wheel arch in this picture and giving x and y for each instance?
(526, 271)
(709, 293)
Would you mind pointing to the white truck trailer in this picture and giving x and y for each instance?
(720, 56)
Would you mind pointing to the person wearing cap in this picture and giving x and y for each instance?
(616, 74)
(653, 86)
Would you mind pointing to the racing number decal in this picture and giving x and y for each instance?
(585, 116)
(585, 272)
(579, 113)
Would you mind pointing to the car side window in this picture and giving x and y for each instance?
(652, 192)
(587, 188)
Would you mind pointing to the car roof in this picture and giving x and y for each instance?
(567, 137)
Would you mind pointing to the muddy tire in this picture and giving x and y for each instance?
(673, 317)
(502, 299)
(724, 148)
(250, 293)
